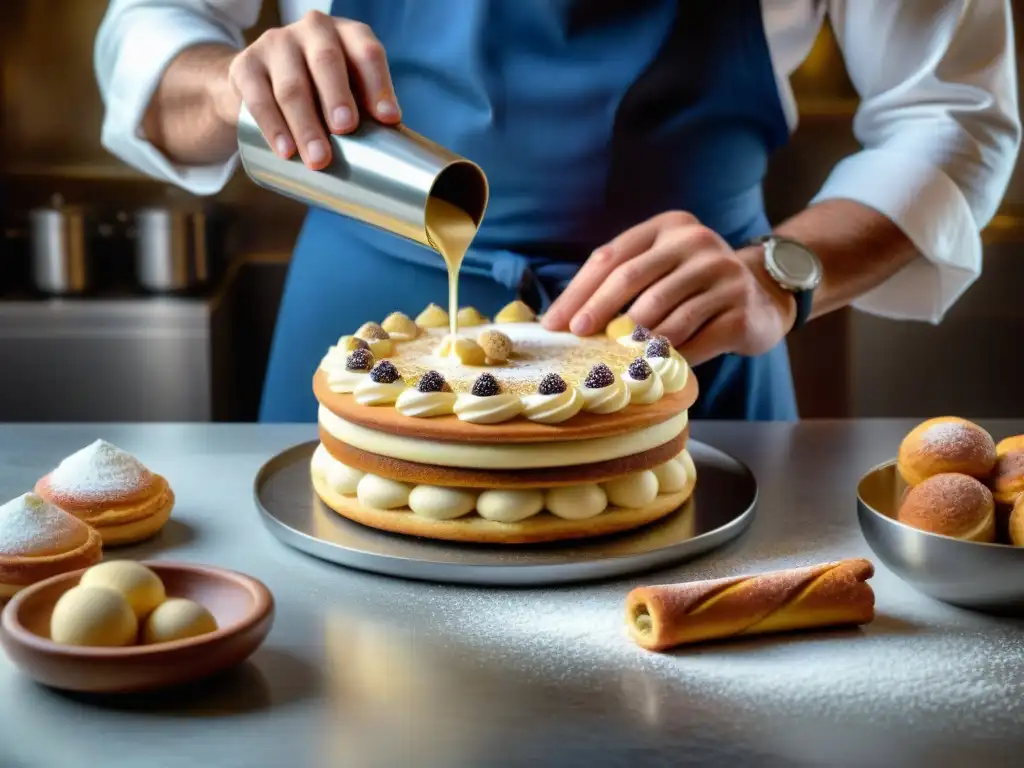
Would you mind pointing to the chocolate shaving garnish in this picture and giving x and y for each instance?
(486, 386)
(432, 381)
(658, 347)
(641, 334)
(640, 369)
(384, 373)
(600, 376)
(359, 360)
(552, 384)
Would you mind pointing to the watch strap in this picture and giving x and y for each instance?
(804, 304)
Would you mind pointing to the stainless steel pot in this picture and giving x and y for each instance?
(60, 252)
(171, 249)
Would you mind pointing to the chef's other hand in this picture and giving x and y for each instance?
(294, 79)
(688, 285)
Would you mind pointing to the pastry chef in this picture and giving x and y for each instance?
(625, 144)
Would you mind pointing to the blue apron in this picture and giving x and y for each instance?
(588, 117)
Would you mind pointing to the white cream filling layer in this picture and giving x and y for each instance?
(575, 502)
(502, 455)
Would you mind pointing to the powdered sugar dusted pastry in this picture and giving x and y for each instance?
(112, 491)
(38, 540)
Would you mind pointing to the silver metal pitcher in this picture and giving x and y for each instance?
(381, 175)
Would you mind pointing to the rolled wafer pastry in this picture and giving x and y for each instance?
(825, 595)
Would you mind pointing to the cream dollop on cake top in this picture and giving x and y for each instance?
(30, 527)
(99, 471)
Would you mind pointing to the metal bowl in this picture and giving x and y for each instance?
(982, 577)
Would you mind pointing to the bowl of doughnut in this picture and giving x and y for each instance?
(947, 515)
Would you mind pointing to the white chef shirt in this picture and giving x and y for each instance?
(938, 118)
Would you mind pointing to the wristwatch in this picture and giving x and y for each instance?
(795, 268)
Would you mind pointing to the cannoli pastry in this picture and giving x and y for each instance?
(827, 595)
(38, 541)
(112, 491)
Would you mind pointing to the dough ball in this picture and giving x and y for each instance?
(576, 502)
(140, 586)
(99, 617)
(671, 476)
(633, 491)
(177, 619)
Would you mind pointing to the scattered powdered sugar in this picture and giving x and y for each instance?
(30, 526)
(97, 471)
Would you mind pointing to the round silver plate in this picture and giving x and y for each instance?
(720, 509)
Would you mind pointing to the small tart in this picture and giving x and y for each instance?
(38, 540)
(112, 491)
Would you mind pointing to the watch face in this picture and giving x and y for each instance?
(794, 266)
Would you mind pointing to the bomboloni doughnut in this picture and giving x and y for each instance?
(1007, 481)
(1017, 523)
(951, 504)
(111, 491)
(946, 444)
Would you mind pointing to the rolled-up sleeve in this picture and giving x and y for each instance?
(136, 41)
(940, 130)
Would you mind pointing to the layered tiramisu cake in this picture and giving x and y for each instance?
(506, 433)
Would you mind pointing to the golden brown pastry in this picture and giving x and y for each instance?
(38, 541)
(112, 491)
(951, 504)
(826, 595)
(1017, 523)
(946, 444)
(1007, 481)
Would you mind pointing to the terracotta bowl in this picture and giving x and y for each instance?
(242, 606)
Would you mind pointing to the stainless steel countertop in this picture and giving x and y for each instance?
(362, 670)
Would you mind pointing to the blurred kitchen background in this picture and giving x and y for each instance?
(122, 299)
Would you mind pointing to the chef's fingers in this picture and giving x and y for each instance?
(624, 283)
(716, 336)
(293, 89)
(563, 312)
(250, 79)
(656, 304)
(325, 59)
(368, 64)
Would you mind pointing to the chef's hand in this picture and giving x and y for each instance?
(294, 79)
(688, 285)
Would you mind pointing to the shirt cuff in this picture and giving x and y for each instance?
(933, 213)
(150, 43)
